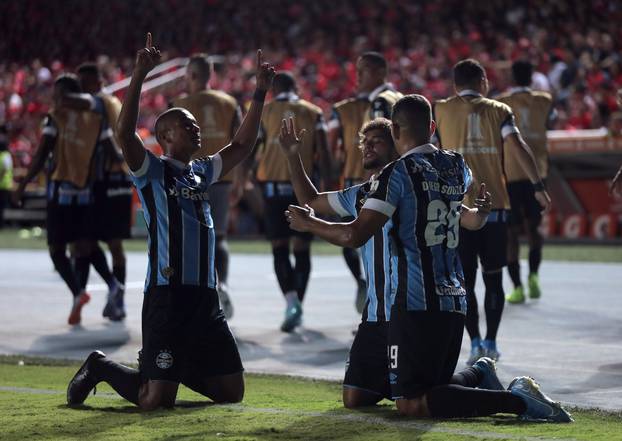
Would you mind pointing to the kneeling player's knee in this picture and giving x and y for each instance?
(414, 407)
(230, 394)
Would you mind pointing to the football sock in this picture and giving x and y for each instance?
(469, 377)
(81, 267)
(302, 269)
(514, 271)
(472, 317)
(283, 269)
(221, 260)
(126, 381)
(62, 264)
(535, 257)
(119, 273)
(99, 262)
(353, 261)
(291, 298)
(451, 401)
(493, 303)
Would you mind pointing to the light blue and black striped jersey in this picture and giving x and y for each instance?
(177, 212)
(375, 253)
(422, 193)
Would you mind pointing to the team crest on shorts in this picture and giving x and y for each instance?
(164, 360)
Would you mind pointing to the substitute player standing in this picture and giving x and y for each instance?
(112, 192)
(532, 110)
(70, 137)
(375, 99)
(219, 116)
(274, 178)
(479, 128)
(422, 194)
(186, 338)
(366, 380)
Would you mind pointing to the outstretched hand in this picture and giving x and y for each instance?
(265, 72)
(148, 57)
(288, 139)
(483, 202)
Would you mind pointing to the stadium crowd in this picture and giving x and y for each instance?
(572, 45)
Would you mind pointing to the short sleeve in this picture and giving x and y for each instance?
(343, 202)
(49, 127)
(209, 167)
(508, 126)
(334, 121)
(380, 108)
(151, 168)
(387, 189)
(320, 124)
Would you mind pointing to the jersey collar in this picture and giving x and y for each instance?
(286, 96)
(423, 148)
(520, 89)
(469, 92)
(378, 90)
(174, 162)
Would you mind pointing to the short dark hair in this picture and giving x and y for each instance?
(383, 124)
(68, 82)
(202, 63)
(165, 118)
(88, 68)
(283, 81)
(468, 73)
(413, 114)
(376, 59)
(522, 71)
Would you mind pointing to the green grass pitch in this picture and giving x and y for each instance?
(32, 407)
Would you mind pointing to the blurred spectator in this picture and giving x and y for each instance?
(574, 44)
(6, 172)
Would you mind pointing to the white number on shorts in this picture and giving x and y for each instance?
(439, 215)
(393, 356)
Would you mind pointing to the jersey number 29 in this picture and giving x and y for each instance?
(443, 222)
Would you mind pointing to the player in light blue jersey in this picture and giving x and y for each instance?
(422, 193)
(185, 338)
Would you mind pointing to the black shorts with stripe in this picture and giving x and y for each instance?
(69, 218)
(367, 367)
(185, 334)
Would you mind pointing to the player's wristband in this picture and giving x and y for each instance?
(538, 186)
(259, 95)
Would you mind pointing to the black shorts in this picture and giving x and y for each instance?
(524, 203)
(113, 208)
(367, 367)
(277, 197)
(489, 244)
(69, 221)
(423, 350)
(185, 332)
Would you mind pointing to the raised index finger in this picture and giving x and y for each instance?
(259, 59)
(149, 40)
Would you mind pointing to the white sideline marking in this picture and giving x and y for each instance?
(416, 425)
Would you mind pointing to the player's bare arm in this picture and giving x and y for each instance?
(527, 161)
(344, 234)
(475, 218)
(131, 144)
(44, 149)
(244, 140)
(306, 193)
